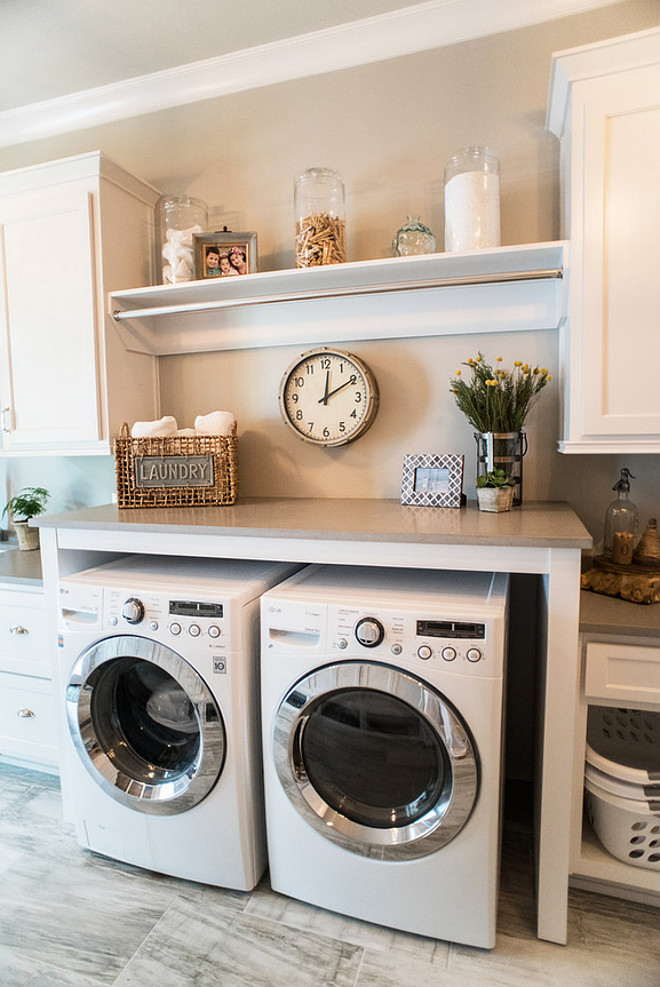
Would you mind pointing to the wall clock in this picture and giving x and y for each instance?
(328, 397)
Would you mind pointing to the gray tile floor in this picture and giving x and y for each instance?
(69, 918)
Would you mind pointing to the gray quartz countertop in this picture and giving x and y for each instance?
(601, 614)
(20, 568)
(552, 524)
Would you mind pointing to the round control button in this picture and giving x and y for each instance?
(449, 654)
(396, 649)
(424, 652)
(133, 610)
(175, 628)
(369, 632)
(113, 621)
(342, 643)
(474, 654)
(153, 624)
(214, 631)
(194, 630)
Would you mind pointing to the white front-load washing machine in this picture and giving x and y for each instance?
(382, 718)
(158, 682)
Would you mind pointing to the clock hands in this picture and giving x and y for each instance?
(329, 394)
(324, 399)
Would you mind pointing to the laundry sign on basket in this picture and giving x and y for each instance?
(179, 470)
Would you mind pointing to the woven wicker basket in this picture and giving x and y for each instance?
(178, 471)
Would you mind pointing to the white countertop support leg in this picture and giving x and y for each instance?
(559, 693)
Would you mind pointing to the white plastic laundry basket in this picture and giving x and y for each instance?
(628, 828)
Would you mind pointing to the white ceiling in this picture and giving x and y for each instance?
(69, 64)
(51, 48)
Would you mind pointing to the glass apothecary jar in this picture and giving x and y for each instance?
(413, 238)
(319, 206)
(178, 218)
(472, 200)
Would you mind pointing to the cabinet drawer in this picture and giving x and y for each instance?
(28, 721)
(23, 638)
(624, 674)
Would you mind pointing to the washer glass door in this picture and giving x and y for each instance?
(145, 724)
(376, 760)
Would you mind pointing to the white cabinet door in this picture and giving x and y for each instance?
(49, 373)
(606, 108)
(71, 231)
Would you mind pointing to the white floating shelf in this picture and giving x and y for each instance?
(504, 289)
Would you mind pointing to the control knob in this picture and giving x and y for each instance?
(133, 610)
(369, 632)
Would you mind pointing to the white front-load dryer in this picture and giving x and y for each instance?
(382, 718)
(158, 684)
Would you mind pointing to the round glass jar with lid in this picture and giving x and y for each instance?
(319, 205)
(178, 219)
(472, 200)
(413, 238)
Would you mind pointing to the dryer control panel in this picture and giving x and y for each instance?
(409, 635)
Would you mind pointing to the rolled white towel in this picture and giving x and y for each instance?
(216, 423)
(187, 431)
(161, 428)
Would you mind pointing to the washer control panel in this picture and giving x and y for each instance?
(173, 618)
(417, 638)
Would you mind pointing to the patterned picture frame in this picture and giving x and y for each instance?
(432, 480)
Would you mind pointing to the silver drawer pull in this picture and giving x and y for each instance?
(18, 629)
(25, 714)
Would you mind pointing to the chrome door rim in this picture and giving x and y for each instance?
(424, 836)
(164, 798)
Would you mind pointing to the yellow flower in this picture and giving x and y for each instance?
(544, 371)
(480, 357)
(548, 377)
(517, 363)
(491, 383)
(458, 373)
(498, 359)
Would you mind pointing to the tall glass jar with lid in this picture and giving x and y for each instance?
(319, 205)
(178, 219)
(472, 200)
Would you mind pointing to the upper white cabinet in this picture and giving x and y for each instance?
(605, 107)
(70, 231)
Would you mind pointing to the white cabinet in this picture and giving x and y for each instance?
(28, 723)
(605, 108)
(70, 231)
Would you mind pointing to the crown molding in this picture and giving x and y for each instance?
(424, 26)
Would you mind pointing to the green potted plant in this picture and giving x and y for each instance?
(495, 491)
(27, 503)
(496, 403)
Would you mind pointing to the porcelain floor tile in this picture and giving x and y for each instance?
(69, 918)
(215, 947)
(266, 904)
(69, 915)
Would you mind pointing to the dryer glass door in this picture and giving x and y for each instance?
(376, 760)
(145, 724)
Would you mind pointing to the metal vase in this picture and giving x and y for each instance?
(505, 451)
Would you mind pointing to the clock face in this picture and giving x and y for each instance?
(328, 397)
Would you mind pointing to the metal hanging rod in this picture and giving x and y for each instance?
(371, 289)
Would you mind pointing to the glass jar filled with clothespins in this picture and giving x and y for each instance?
(319, 204)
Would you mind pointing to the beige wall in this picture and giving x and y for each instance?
(388, 128)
